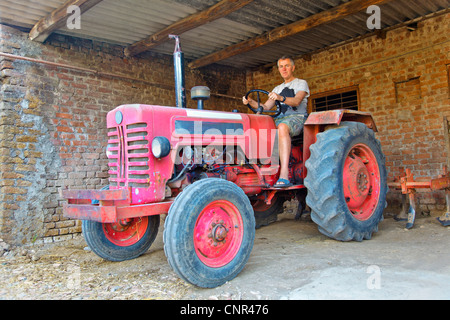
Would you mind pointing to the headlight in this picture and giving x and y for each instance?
(119, 117)
(160, 147)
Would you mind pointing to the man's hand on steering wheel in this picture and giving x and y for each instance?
(260, 109)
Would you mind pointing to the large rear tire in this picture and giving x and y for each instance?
(346, 182)
(209, 232)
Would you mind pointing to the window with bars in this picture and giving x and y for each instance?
(346, 98)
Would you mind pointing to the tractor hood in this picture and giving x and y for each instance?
(132, 128)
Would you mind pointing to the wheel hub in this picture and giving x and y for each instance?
(126, 232)
(356, 182)
(218, 233)
(362, 181)
(360, 175)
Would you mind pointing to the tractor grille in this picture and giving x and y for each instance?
(128, 154)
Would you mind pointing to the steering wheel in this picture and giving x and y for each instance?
(272, 113)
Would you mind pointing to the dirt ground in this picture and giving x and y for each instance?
(290, 260)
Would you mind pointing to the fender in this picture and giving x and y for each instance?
(336, 116)
(317, 121)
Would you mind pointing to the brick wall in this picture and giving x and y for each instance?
(53, 128)
(52, 120)
(403, 81)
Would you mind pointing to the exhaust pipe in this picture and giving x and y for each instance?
(178, 63)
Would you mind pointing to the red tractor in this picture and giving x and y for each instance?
(213, 173)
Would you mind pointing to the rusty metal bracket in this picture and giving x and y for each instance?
(408, 186)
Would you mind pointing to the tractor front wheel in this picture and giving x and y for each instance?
(123, 240)
(346, 182)
(209, 232)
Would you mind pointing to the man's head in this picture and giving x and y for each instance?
(286, 66)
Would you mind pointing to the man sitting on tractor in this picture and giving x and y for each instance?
(293, 95)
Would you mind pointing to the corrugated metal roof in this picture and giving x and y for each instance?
(26, 13)
(127, 21)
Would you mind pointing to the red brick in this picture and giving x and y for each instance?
(64, 115)
(64, 129)
(64, 76)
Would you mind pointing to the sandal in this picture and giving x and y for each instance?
(282, 183)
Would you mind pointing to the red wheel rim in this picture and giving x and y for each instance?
(218, 233)
(361, 181)
(127, 232)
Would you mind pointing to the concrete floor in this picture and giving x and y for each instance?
(292, 260)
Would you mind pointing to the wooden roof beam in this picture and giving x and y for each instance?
(219, 10)
(324, 17)
(58, 18)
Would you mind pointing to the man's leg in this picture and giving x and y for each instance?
(284, 146)
(287, 128)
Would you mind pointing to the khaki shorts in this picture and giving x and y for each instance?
(294, 122)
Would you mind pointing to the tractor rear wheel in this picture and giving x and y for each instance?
(346, 182)
(209, 232)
